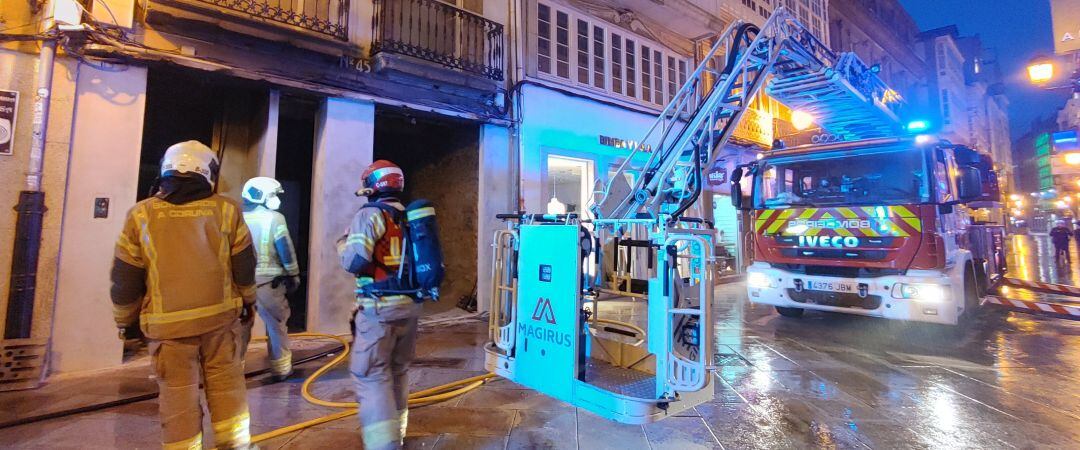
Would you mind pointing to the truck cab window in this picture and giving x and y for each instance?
(895, 176)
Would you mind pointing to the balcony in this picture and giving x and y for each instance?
(325, 17)
(439, 33)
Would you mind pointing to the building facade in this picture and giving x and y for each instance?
(965, 98)
(882, 33)
(308, 92)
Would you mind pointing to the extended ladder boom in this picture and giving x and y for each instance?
(844, 95)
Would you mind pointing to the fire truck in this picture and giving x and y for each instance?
(611, 310)
(899, 228)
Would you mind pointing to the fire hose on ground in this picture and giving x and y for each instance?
(419, 398)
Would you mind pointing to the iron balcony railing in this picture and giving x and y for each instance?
(329, 17)
(435, 31)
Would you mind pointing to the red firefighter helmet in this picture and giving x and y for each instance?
(382, 177)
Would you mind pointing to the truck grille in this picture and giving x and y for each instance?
(839, 299)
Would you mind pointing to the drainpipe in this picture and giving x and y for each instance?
(31, 209)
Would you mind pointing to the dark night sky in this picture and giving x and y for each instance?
(1016, 30)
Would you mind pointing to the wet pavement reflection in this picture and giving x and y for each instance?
(1005, 380)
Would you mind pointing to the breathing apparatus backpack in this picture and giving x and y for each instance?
(421, 271)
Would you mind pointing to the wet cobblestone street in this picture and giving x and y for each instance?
(827, 380)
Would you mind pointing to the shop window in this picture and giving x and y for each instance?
(569, 185)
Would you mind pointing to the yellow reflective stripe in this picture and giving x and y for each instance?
(383, 302)
(403, 418)
(241, 234)
(234, 431)
(762, 219)
(153, 276)
(847, 213)
(267, 271)
(361, 239)
(132, 250)
(807, 213)
(125, 314)
(194, 443)
(381, 434)
(194, 313)
(781, 220)
(247, 291)
(420, 213)
(281, 232)
(914, 222)
(901, 211)
(844, 232)
(282, 365)
(225, 250)
(378, 224)
(264, 240)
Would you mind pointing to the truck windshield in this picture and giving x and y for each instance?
(843, 178)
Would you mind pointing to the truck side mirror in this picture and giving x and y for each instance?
(970, 184)
(736, 188)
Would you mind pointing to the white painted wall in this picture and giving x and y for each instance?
(104, 162)
(561, 124)
(496, 196)
(344, 136)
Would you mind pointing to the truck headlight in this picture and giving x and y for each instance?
(759, 280)
(930, 293)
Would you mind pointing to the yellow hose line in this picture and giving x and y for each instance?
(419, 398)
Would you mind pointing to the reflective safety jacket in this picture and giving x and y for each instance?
(273, 246)
(197, 265)
(372, 251)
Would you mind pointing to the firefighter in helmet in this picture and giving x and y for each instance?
(276, 272)
(184, 271)
(384, 325)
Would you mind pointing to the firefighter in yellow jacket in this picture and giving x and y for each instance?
(184, 273)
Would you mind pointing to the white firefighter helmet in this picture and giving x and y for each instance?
(263, 191)
(191, 157)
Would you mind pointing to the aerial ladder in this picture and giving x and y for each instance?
(648, 355)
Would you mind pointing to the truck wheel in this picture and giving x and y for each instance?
(982, 283)
(971, 295)
(794, 313)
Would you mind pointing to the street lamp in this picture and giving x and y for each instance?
(1040, 70)
(801, 120)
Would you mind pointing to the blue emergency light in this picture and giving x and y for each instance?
(916, 126)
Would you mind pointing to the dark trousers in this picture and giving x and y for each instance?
(1060, 250)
